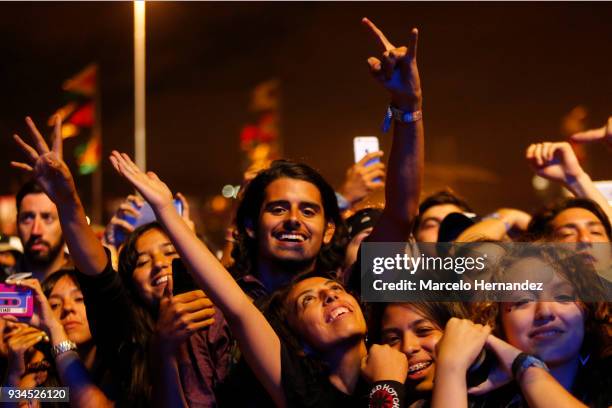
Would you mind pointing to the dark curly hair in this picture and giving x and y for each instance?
(580, 275)
(330, 256)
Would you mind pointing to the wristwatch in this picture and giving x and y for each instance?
(400, 116)
(62, 348)
(523, 361)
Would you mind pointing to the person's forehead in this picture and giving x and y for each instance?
(38, 202)
(151, 239)
(401, 314)
(575, 216)
(292, 190)
(440, 211)
(64, 285)
(309, 284)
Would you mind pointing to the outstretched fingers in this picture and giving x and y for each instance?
(412, 43)
(58, 145)
(26, 148)
(39, 140)
(22, 166)
(386, 44)
(123, 164)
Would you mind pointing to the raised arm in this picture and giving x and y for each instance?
(51, 173)
(603, 134)
(397, 72)
(258, 341)
(558, 162)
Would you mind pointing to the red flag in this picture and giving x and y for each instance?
(84, 116)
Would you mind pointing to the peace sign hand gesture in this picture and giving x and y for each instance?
(47, 166)
(397, 70)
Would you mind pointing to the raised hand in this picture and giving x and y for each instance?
(397, 69)
(155, 191)
(362, 179)
(603, 133)
(554, 161)
(47, 166)
(129, 207)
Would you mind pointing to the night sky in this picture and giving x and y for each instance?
(495, 76)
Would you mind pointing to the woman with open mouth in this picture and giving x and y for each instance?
(310, 354)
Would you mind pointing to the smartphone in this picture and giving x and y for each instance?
(181, 279)
(146, 216)
(17, 276)
(363, 145)
(605, 188)
(16, 301)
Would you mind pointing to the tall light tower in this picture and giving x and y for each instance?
(140, 139)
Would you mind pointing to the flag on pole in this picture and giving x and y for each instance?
(79, 116)
(260, 139)
(85, 83)
(88, 155)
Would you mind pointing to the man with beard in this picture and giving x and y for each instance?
(40, 232)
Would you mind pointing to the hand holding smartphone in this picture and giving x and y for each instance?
(146, 216)
(362, 146)
(16, 300)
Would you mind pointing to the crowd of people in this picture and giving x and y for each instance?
(160, 320)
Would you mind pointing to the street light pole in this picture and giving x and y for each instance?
(140, 147)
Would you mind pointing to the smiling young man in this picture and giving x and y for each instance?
(288, 222)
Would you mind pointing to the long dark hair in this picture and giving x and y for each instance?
(330, 256)
(142, 315)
